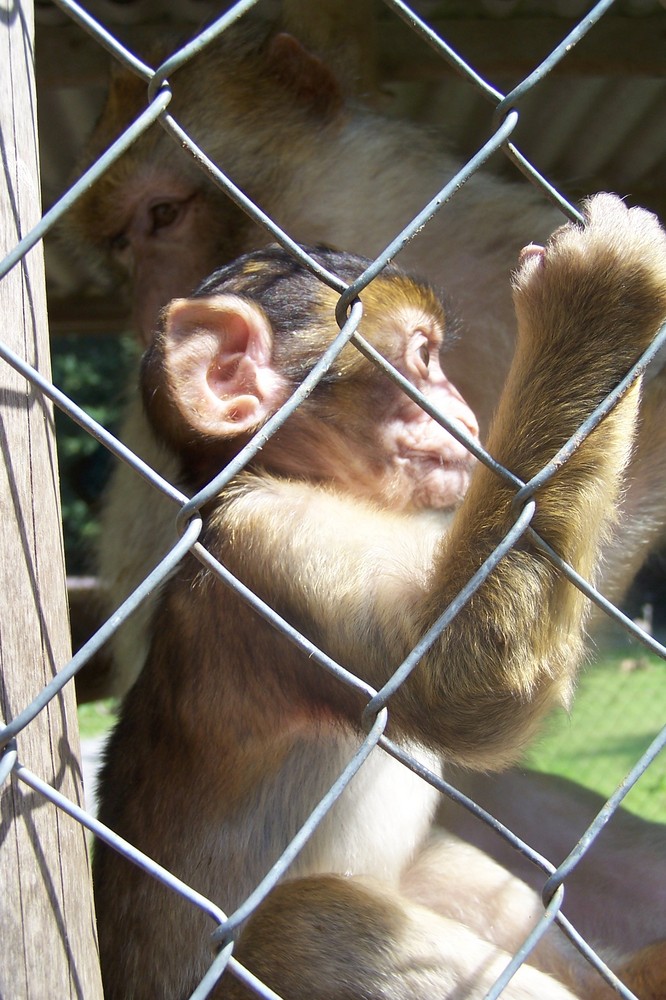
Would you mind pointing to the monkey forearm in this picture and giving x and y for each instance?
(587, 306)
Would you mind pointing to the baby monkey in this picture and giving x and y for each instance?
(359, 522)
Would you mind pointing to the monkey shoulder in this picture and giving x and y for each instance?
(288, 520)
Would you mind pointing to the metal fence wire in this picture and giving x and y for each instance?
(188, 518)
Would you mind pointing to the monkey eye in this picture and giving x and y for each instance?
(119, 243)
(163, 215)
(419, 356)
(424, 354)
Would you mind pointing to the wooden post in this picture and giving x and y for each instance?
(47, 940)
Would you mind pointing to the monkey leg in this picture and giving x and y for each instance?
(342, 938)
(645, 972)
(460, 882)
(622, 873)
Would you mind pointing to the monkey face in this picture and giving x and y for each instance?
(224, 363)
(426, 467)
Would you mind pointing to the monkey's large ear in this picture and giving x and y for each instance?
(304, 76)
(209, 370)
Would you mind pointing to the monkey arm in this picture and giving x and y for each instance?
(586, 307)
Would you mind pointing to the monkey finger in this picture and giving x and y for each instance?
(531, 251)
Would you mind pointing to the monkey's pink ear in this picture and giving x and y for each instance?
(216, 358)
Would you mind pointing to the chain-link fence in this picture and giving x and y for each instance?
(374, 717)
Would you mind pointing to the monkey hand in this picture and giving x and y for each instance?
(604, 281)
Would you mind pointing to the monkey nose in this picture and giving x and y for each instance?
(460, 413)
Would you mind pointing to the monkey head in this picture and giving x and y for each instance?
(225, 359)
(155, 219)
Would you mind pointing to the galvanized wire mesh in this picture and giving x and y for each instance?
(187, 510)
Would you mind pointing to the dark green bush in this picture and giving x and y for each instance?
(94, 372)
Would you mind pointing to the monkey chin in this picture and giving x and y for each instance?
(429, 482)
(443, 487)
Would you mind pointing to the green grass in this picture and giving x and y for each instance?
(620, 706)
(96, 717)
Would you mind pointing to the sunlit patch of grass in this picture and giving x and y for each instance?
(619, 708)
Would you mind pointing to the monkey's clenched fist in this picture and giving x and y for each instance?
(609, 273)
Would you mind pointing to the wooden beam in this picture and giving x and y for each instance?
(67, 57)
(100, 315)
(514, 47)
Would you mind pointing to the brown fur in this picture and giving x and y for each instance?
(230, 736)
(273, 118)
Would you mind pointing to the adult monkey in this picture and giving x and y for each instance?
(230, 736)
(280, 128)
